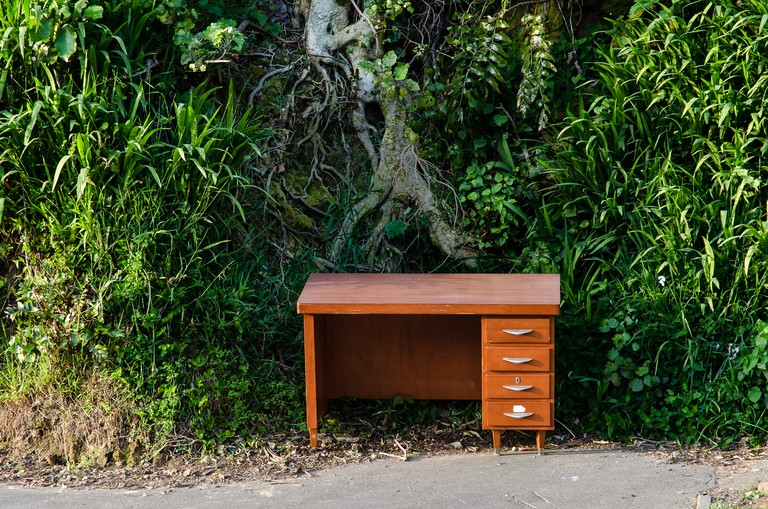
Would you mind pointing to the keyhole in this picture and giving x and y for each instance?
(517, 380)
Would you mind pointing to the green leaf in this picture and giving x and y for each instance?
(395, 228)
(45, 31)
(636, 385)
(389, 59)
(401, 71)
(500, 120)
(367, 65)
(32, 122)
(754, 394)
(505, 153)
(59, 167)
(261, 18)
(411, 85)
(66, 43)
(82, 179)
(94, 12)
(22, 42)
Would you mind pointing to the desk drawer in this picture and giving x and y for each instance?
(518, 386)
(519, 414)
(515, 358)
(516, 330)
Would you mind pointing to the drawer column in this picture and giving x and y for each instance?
(518, 375)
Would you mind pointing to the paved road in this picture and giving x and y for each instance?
(557, 479)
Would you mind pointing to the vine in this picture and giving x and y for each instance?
(537, 69)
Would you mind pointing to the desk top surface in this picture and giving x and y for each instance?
(477, 294)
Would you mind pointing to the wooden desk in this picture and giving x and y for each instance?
(486, 337)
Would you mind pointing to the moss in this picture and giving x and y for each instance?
(319, 197)
(292, 217)
(298, 220)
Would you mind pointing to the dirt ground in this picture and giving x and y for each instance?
(281, 458)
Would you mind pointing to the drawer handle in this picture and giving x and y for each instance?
(518, 388)
(519, 415)
(518, 332)
(517, 360)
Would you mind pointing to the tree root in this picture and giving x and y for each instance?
(399, 179)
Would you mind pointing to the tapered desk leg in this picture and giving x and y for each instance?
(541, 438)
(314, 367)
(496, 441)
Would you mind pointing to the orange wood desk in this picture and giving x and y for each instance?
(487, 337)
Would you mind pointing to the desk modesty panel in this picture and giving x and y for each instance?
(486, 337)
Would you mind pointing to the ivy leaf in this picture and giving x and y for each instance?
(754, 394)
(66, 43)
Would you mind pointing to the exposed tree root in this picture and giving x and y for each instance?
(337, 46)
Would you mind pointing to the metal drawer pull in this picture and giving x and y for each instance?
(518, 332)
(519, 415)
(517, 360)
(518, 388)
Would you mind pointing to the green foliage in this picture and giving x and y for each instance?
(537, 67)
(489, 194)
(388, 9)
(135, 244)
(472, 88)
(482, 111)
(391, 77)
(212, 45)
(659, 215)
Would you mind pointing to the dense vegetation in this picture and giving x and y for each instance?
(662, 215)
(168, 178)
(133, 234)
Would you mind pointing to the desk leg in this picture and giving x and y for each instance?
(314, 368)
(541, 438)
(496, 433)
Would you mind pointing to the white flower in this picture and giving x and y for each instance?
(662, 281)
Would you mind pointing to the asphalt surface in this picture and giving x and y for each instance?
(590, 479)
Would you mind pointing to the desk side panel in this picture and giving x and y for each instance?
(385, 356)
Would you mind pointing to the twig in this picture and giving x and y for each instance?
(263, 79)
(404, 457)
(566, 427)
(151, 64)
